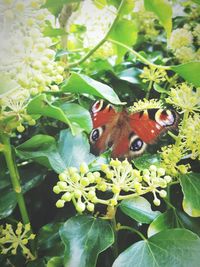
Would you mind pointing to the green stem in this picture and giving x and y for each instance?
(141, 58)
(102, 40)
(149, 89)
(132, 230)
(15, 179)
(115, 247)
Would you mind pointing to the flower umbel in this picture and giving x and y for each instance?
(145, 104)
(11, 240)
(120, 181)
(185, 98)
(153, 74)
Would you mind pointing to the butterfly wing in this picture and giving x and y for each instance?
(150, 124)
(104, 118)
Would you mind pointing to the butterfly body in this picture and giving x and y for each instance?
(127, 134)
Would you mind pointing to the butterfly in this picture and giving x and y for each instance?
(127, 134)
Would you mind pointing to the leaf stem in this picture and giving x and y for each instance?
(15, 178)
(84, 58)
(114, 247)
(140, 57)
(123, 227)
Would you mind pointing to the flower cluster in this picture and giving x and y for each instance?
(171, 156)
(27, 58)
(184, 97)
(97, 22)
(145, 20)
(153, 74)
(182, 42)
(118, 179)
(190, 135)
(11, 240)
(145, 104)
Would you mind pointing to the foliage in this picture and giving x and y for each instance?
(61, 205)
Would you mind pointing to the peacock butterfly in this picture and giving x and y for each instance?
(127, 134)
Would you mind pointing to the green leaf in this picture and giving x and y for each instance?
(130, 75)
(70, 151)
(44, 150)
(159, 89)
(139, 209)
(37, 263)
(173, 219)
(74, 150)
(40, 105)
(173, 247)
(82, 84)
(163, 10)
(125, 32)
(191, 190)
(146, 160)
(7, 85)
(78, 115)
(30, 178)
(49, 242)
(55, 262)
(53, 32)
(55, 7)
(84, 238)
(189, 71)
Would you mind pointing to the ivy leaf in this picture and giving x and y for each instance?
(55, 7)
(70, 150)
(125, 32)
(163, 10)
(146, 160)
(84, 238)
(30, 178)
(55, 262)
(139, 209)
(189, 71)
(74, 150)
(40, 105)
(161, 250)
(43, 149)
(173, 218)
(76, 114)
(82, 84)
(48, 240)
(191, 190)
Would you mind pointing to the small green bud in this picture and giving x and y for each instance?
(102, 187)
(96, 174)
(136, 173)
(80, 207)
(90, 207)
(60, 203)
(146, 178)
(104, 167)
(72, 170)
(161, 171)
(24, 241)
(84, 181)
(163, 193)
(156, 202)
(66, 196)
(77, 193)
(56, 189)
(113, 202)
(20, 128)
(75, 177)
(116, 189)
(84, 168)
(62, 185)
(32, 122)
(153, 168)
(62, 176)
(109, 174)
(167, 178)
(146, 172)
(115, 163)
(90, 177)
(91, 194)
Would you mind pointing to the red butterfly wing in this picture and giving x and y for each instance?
(150, 124)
